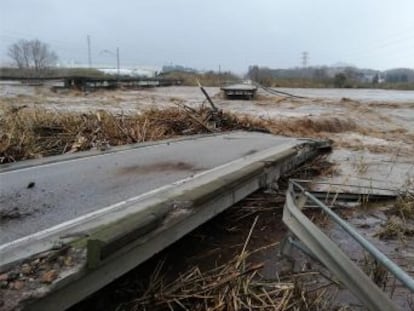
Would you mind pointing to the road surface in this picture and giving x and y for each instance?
(33, 198)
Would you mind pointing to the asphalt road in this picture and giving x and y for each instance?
(37, 197)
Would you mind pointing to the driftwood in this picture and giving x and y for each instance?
(215, 109)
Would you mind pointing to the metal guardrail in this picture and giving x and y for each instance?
(319, 246)
(369, 247)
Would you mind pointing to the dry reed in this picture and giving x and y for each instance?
(235, 285)
(27, 133)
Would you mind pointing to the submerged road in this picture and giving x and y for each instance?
(37, 196)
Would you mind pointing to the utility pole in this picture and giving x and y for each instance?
(89, 51)
(305, 57)
(117, 62)
(219, 74)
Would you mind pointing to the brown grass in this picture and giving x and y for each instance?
(395, 227)
(377, 272)
(28, 133)
(227, 287)
(405, 206)
(31, 133)
(400, 221)
(235, 285)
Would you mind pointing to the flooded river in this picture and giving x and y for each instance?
(354, 94)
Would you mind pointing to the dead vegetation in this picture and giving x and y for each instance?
(235, 285)
(405, 206)
(28, 133)
(232, 286)
(395, 227)
(400, 221)
(32, 133)
(377, 272)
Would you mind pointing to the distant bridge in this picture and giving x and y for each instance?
(91, 83)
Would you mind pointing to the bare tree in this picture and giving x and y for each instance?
(32, 54)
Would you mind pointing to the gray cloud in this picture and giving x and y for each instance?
(204, 34)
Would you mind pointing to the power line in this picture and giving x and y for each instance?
(384, 41)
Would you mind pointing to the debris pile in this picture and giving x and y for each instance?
(234, 285)
(33, 133)
(30, 133)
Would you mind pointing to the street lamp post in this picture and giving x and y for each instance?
(117, 61)
(118, 66)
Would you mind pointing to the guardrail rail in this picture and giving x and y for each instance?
(319, 246)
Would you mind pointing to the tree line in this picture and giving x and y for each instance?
(324, 76)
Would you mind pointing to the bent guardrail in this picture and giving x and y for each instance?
(319, 246)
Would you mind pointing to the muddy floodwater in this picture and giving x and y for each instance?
(372, 130)
(373, 146)
(355, 94)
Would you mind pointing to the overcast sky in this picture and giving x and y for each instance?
(205, 34)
